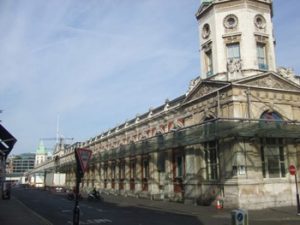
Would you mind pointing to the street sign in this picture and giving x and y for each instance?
(83, 156)
(292, 170)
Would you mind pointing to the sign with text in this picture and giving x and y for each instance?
(83, 156)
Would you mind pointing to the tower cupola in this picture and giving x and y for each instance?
(41, 153)
(236, 38)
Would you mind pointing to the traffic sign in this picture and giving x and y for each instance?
(292, 170)
(240, 217)
(83, 156)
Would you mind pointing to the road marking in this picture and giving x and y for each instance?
(93, 221)
(66, 210)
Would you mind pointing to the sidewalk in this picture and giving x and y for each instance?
(209, 215)
(14, 212)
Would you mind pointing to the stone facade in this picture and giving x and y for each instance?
(231, 137)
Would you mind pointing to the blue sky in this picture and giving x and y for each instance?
(96, 63)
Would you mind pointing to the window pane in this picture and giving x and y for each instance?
(272, 156)
(273, 167)
(282, 167)
(179, 166)
(211, 160)
(145, 169)
(281, 154)
(261, 55)
(209, 63)
(233, 51)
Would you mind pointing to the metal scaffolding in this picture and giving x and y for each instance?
(215, 129)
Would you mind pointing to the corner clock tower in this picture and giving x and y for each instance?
(236, 38)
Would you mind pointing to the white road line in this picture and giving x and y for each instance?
(92, 221)
(66, 210)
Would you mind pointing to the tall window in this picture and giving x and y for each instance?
(209, 62)
(261, 56)
(272, 149)
(233, 52)
(132, 169)
(211, 160)
(113, 170)
(179, 166)
(122, 169)
(105, 171)
(145, 167)
(272, 157)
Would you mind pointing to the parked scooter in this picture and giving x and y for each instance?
(95, 195)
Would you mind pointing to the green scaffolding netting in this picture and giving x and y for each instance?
(208, 131)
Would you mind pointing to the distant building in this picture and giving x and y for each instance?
(19, 164)
(231, 137)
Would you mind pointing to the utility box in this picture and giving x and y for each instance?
(239, 217)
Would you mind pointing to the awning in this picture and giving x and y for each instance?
(7, 141)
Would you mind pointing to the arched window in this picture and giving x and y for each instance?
(272, 149)
(271, 116)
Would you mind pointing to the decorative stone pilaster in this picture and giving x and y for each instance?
(167, 177)
(191, 183)
(138, 177)
(154, 180)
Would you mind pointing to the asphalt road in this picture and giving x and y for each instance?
(118, 210)
(59, 211)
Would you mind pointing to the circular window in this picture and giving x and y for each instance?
(205, 31)
(230, 21)
(260, 21)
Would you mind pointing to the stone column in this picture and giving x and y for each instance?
(138, 177)
(127, 175)
(154, 179)
(167, 176)
(117, 176)
(97, 175)
(191, 181)
(101, 175)
(109, 175)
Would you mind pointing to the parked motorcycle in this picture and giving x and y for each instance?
(95, 195)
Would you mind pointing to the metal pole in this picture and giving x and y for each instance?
(219, 106)
(297, 195)
(248, 103)
(76, 211)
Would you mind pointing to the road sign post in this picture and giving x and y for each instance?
(82, 157)
(293, 172)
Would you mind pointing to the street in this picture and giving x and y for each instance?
(59, 211)
(117, 210)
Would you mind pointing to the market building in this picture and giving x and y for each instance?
(232, 136)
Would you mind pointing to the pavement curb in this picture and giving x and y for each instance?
(43, 220)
